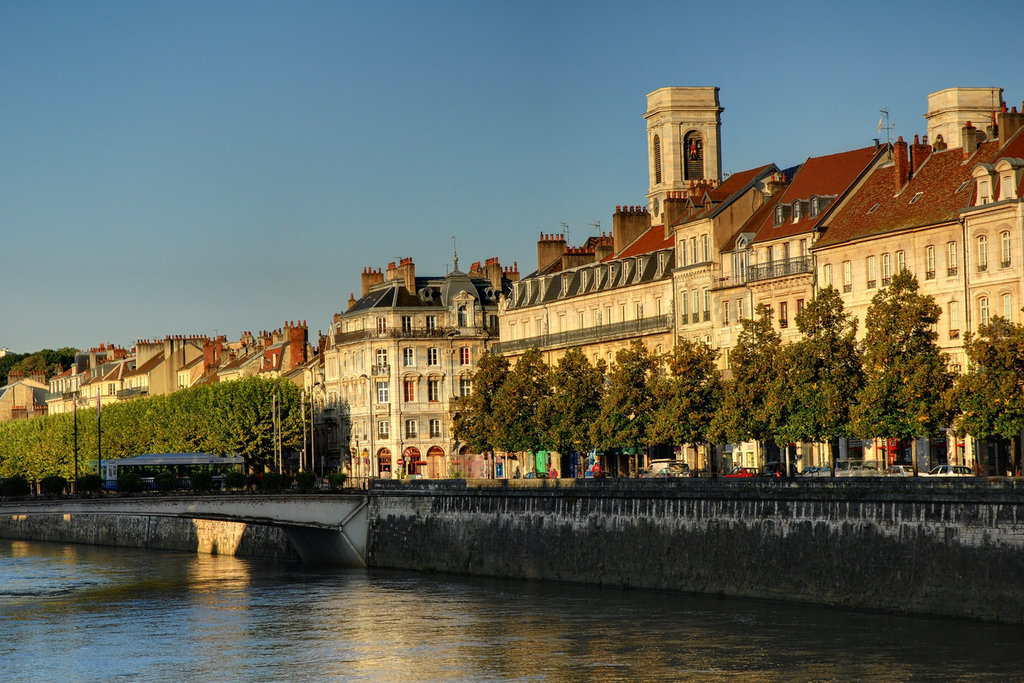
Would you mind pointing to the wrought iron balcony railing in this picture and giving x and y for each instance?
(782, 268)
(661, 323)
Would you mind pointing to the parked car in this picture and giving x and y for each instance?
(778, 469)
(951, 471)
(743, 472)
(899, 471)
(816, 471)
(665, 469)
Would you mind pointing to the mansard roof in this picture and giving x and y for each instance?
(431, 292)
(825, 176)
(944, 184)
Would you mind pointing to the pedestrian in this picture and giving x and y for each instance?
(553, 474)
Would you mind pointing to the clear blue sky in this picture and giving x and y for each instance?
(201, 167)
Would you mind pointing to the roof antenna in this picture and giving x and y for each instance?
(888, 127)
(596, 225)
(565, 229)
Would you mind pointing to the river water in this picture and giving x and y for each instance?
(81, 613)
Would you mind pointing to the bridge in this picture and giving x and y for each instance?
(321, 529)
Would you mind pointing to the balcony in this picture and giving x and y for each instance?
(871, 284)
(1004, 263)
(600, 333)
(951, 271)
(929, 275)
(782, 268)
(381, 370)
(982, 267)
(412, 333)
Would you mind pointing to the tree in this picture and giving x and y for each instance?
(990, 397)
(905, 373)
(687, 397)
(476, 421)
(627, 405)
(519, 402)
(747, 408)
(820, 374)
(574, 401)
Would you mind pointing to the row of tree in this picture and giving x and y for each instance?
(48, 362)
(895, 384)
(224, 419)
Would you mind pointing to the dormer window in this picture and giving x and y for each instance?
(916, 197)
(984, 192)
(796, 211)
(874, 208)
(780, 215)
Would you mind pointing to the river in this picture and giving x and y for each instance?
(81, 613)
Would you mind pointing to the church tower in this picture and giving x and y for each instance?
(684, 127)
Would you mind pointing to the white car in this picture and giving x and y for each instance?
(951, 471)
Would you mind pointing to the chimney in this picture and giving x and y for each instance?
(919, 151)
(776, 183)
(901, 169)
(298, 335)
(351, 303)
(970, 138)
(549, 249)
(604, 247)
(628, 223)
(512, 272)
(493, 272)
(407, 271)
(211, 354)
(371, 277)
(674, 207)
(1009, 122)
(577, 256)
(392, 273)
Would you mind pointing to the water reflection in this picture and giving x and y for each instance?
(83, 613)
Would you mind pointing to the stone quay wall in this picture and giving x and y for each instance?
(149, 531)
(945, 546)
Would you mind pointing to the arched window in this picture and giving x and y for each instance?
(982, 253)
(1004, 240)
(657, 160)
(983, 310)
(462, 316)
(693, 155)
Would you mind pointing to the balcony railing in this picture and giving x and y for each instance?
(379, 370)
(414, 333)
(782, 268)
(661, 323)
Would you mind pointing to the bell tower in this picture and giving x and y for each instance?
(684, 127)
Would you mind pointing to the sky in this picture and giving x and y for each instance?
(214, 167)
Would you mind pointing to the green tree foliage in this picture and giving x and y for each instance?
(225, 419)
(476, 420)
(627, 405)
(821, 373)
(989, 399)
(48, 362)
(573, 404)
(748, 409)
(905, 373)
(687, 397)
(519, 400)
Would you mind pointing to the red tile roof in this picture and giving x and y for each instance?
(652, 240)
(729, 187)
(818, 176)
(940, 180)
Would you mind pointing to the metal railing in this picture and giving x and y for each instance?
(782, 268)
(661, 323)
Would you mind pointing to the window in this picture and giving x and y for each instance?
(797, 213)
(683, 307)
(872, 275)
(432, 357)
(693, 249)
(707, 305)
(431, 322)
(409, 390)
(622, 313)
(383, 430)
(465, 387)
(705, 248)
(435, 428)
(695, 299)
(1004, 249)
(657, 307)
(464, 355)
(433, 390)
(886, 270)
(382, 392)
(412, 429)
(1008, 307)
(847, 276)
(382, 358)
(608, 315)
(382, 325)
(954, 320)
(112, 388)
(780, 215)
(783, 314)
(725, 312)
(983, 310)
(984, 196)
(982, 253)
(406, 323)
(682, 253)
(929, 262)
(656, 153)
(799, 306)
(826, 275)
(901, 261)
(581, 321)
(640, 310)
(462, 316)
(739, 309)
(408, 358)
(952, 259)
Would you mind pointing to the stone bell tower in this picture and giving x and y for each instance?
(684, 127)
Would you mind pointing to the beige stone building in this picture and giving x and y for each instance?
(23, 397)
(395, 361)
